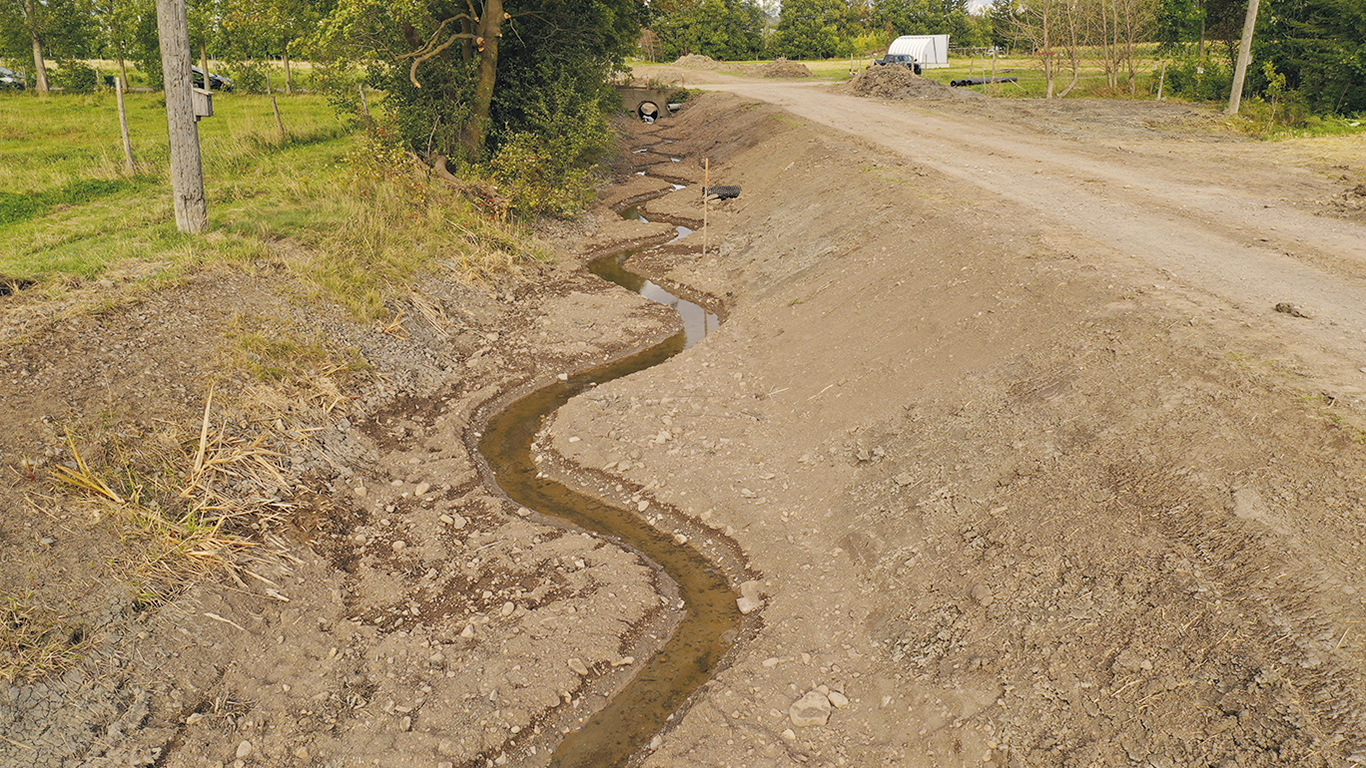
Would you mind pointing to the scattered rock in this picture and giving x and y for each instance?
(838, 700)
(1287, 308)
(577, 666)
(244, 750)
(982, 594)
(750, 599)
(810, 710)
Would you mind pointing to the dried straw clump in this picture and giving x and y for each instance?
(35, 643)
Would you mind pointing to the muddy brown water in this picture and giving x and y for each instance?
(711, 620)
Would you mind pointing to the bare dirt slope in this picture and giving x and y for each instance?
(1035, 472)
(1032, 471)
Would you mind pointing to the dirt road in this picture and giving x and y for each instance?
(1215, 216)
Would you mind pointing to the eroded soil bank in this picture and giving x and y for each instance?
(1012, 502)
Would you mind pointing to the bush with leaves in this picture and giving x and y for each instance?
(1207, 79)
(544, 170)
(248, 76)
(75, 76)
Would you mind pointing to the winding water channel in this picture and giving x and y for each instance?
(711, 620)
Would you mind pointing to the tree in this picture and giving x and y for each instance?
(810, 29)
(45, 29)
(259, 29)
(1320, 47)
(119, 22)
(1039, 23)
(460, 78)
(924, 17)
(721, 29)
(1004, 31)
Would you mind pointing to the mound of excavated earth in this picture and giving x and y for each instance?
(781, 67)
(697, 61)
(898, 82)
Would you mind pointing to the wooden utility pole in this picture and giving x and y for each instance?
(187, 169)
(1235, 99)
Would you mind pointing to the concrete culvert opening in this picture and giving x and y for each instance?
(648, 111)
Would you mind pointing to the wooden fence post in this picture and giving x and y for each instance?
(187, 165)
(129, 165)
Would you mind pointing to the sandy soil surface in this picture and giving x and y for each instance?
(1003, 413)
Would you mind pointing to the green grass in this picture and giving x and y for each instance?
(349, 218)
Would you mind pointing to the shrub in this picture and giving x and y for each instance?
(544, 169)
(248, 76)
(1200, 80)
(76, 77)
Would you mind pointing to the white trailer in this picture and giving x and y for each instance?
(930, 51)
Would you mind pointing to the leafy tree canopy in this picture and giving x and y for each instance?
(812, 29)
(721, 29)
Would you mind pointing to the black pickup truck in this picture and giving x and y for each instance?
(904, 59)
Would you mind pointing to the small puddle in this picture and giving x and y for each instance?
(633, 214)
(711, 620)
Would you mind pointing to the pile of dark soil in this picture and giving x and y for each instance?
(897, 82)
(781, 67)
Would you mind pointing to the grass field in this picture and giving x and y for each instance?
(358, 228)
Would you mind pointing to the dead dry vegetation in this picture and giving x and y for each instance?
(1013, 503)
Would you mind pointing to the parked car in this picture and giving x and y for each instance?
(216, 82)
(904, 59)
(10, 80)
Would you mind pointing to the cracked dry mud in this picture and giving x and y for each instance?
(1016, 496)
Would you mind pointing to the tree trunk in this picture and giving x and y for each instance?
(123, 69)
(1073, 44)
(39, 65)
(204, 63)
(187, 170)
(289, 80)
(1049, 66)
(1235, 97)
(489, 28)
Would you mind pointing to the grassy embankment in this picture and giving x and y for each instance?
(357, 221)
(352, 222)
